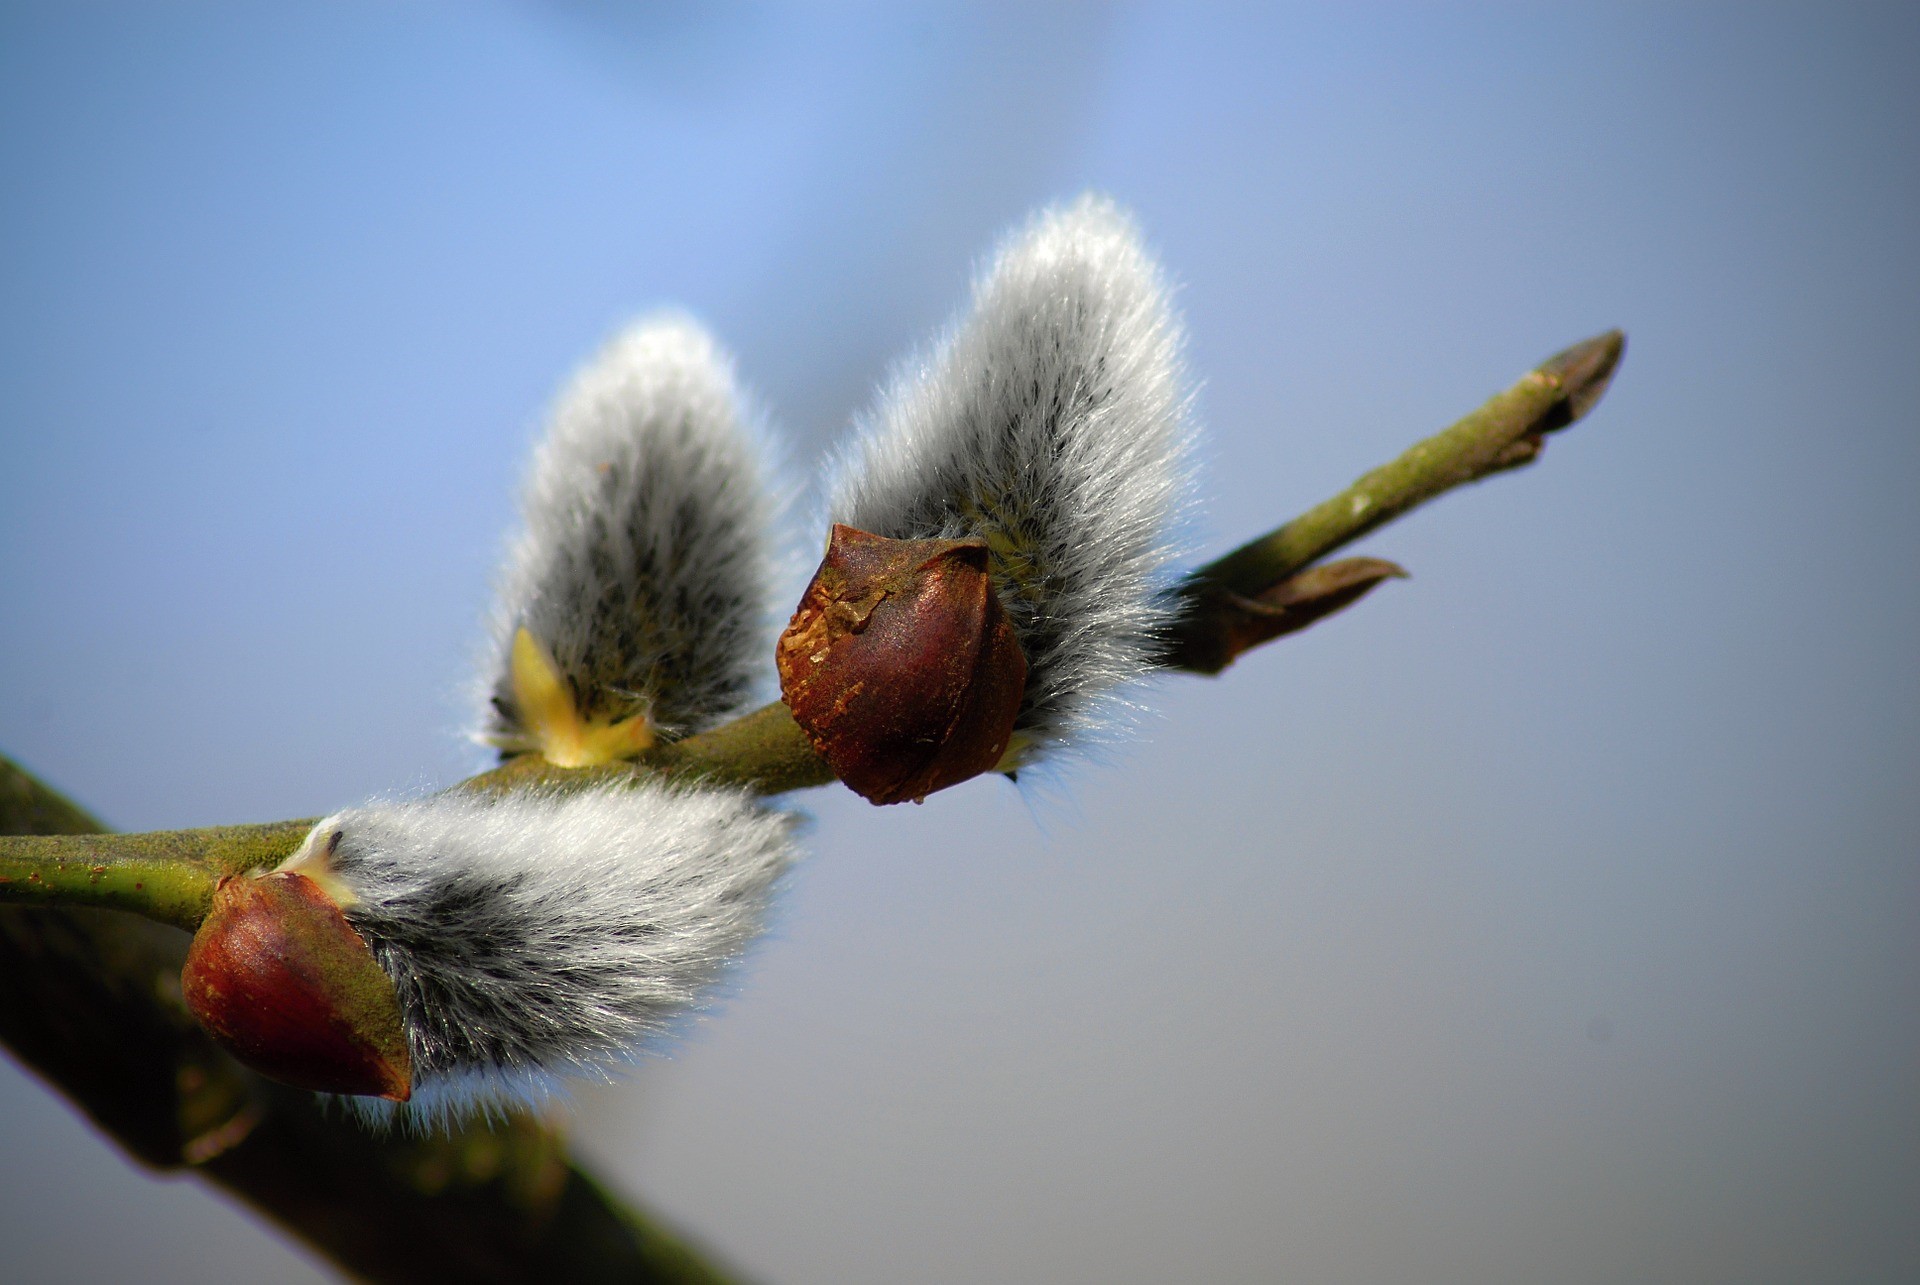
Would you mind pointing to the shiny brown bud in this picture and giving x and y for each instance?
(280, 978)
(901, 666)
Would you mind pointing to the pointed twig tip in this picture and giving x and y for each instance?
(1585, 370)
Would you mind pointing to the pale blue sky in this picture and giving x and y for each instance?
(1550, 916)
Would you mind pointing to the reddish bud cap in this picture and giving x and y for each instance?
(901, 666)
(280, 978)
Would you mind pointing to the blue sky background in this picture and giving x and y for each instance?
(1551, 916)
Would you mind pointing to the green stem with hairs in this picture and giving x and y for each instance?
(170, 876)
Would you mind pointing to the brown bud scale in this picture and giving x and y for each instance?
(280, 978)
(1219, 624)
(901, 666)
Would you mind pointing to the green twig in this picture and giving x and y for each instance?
(170, 876)
(1505, 433)
(167, 875)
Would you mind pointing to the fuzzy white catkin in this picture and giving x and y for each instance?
(531, 937)
(1052, 419)
(643, 564)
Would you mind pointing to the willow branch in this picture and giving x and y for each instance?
(167, 876)
(1270, 587)
(1263, 590)
(1507, 432)
(92, 1005)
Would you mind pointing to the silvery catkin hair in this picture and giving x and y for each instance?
(536, 936)
(1053, 421)
(643, 565)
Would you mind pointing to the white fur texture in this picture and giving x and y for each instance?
(643, 564)
(531, 937)
(1052, 420)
